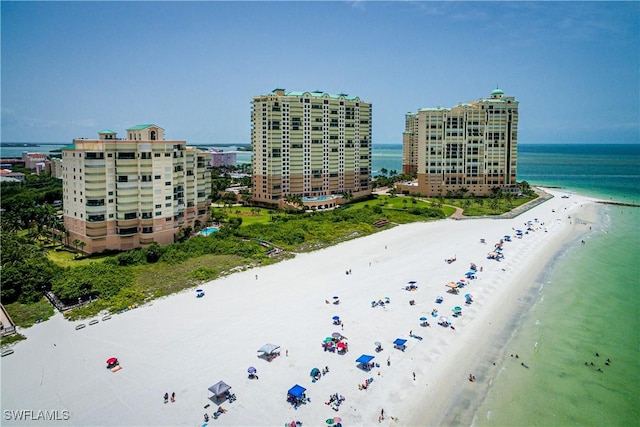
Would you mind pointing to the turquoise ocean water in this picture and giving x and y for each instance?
(587, 301)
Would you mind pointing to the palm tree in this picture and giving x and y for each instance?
(384, 171)
(82, 245)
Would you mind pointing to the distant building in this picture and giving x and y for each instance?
(123, 194)
(10, 176)
(31, 160)
(472, 146)
(56, 168)
(312, 145)
(221, 158)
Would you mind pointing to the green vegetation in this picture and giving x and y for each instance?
(11, 339)
(25, 315)
(34, 260)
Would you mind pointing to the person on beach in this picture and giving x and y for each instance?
(414, 376)
(173, 396)
(389, 361)
(166, 397)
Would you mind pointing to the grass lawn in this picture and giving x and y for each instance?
(66, 258)
(25, 315)
(248, 216)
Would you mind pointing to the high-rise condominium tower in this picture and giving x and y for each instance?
(471, 147)
(311, 145)
(126, 193)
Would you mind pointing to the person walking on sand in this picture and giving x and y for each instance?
(166, 397)
(414, 376)
(173, 396)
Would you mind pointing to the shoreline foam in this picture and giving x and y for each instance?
(184, 344)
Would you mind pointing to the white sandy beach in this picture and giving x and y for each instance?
(185, 344)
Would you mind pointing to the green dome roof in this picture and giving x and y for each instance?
(497, 92)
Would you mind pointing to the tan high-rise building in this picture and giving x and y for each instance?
(472, 146)
(122, 194)
(310, 144)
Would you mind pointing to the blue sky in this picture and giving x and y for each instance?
(71, 69)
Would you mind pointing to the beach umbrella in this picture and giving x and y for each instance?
(337, 419)
(330, 421)
(422, 319)
(314, 372)
(451, 285)
(456, 309)
(342, 346)
(412, 282)
(468, 296)
(112, 360)
(328, 339)
(198, 290)
(336, 335)
(335, 297)
(336, 317)
(377, 344)
(251, 370)
(444, 319)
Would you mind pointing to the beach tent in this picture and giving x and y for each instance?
(364, 361)
(297, 391)
(399, 342)
(268, 348)
(314, 372)
(219, 388)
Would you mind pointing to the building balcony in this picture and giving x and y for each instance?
(96, 233)
(129, 231)
(95, 210)
(127, 223)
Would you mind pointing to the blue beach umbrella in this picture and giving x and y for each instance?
(422, 319)
(251, 370)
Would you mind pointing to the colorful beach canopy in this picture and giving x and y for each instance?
(364, 359)
(336, 317)
(251, 370)
(219, 388)
(400, 342)
(422, 319)
(297, 391)
(268, 348)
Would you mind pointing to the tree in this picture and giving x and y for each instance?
(245, 196)
(384, 171)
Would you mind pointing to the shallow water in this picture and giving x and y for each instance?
(587, 305)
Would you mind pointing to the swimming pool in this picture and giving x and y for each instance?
(319, 198)
(208, 231)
